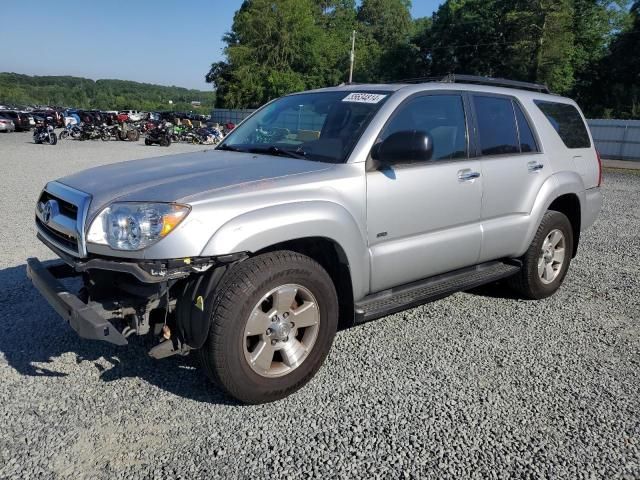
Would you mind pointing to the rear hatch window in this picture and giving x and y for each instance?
(568, 122)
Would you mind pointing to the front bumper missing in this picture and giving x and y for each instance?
(86, 322)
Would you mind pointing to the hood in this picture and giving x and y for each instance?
(176, 178)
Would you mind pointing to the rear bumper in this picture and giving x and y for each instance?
(86, 322)
(592, 207)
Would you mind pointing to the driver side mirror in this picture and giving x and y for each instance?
(409, 146)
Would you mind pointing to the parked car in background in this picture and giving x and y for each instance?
(134, 115)
(20, 119)
(55, 115)
(6, 124)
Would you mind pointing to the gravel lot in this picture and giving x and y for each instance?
(477, 385)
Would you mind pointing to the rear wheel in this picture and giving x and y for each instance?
(147, 142)
(53, 139)
(274, 318)
(545, 264)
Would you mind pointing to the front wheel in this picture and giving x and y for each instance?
(545, 264)
(273, 320)
(64, 135)
(147, 142)
(53, 139)
(165, 141)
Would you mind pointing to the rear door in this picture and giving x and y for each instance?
(423, 218)
(513, 168)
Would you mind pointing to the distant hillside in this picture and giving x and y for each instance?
(100, 94)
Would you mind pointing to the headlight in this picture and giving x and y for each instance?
(134, 226)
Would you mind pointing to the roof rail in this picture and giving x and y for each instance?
(478, 80)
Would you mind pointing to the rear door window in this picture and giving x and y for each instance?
(496, 125)
(568, 122)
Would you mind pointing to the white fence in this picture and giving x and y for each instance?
(615, 139)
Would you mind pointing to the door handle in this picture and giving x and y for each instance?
(467, 175)
(534, 167)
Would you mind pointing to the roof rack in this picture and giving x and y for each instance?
(478, 80)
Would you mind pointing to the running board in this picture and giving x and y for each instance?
(418, 293)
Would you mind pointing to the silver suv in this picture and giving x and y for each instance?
(324, 209)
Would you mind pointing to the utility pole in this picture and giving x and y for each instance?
(353, 55)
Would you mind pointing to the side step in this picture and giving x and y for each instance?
(401, 298)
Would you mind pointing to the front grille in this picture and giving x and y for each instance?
(60, 218)
(66, 208)
(60, 238)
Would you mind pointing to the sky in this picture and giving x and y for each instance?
(167, 42)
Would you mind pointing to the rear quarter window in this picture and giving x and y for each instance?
(567, 121)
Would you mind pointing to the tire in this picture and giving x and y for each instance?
(64, 135)
(165, 141)
(105, 137)
(225, 354)
(530, 283)
(133, 135)
(53, 139)
(147, 142)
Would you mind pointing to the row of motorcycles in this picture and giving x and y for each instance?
(156, 133)
(88, 131)
(164, 134)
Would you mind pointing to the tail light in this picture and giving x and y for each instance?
(599, 168)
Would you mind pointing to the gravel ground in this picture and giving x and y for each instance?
(477, 385)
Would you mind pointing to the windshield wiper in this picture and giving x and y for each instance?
(276, 151)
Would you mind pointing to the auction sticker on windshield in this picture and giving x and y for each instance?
(364, 98)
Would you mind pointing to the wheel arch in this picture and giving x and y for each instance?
(332, 257)
(563, 192)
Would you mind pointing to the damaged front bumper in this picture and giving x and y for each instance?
(87, 322)
(149, 278)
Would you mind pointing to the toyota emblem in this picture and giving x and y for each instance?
(47, 211)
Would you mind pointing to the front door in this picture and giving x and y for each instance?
(423, 219)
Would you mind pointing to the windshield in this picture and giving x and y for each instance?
(322, 126)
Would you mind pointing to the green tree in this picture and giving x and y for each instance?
(615, 90)
(274, 47)
(279, 46)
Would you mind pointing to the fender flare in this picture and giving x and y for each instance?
(259, 229)
(557, 185)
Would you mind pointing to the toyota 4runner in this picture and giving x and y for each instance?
(323, 209)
